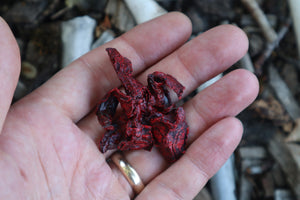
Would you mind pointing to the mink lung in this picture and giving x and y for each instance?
(147, 117)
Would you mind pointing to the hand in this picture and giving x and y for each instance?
(48, 142)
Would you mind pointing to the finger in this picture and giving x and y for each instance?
(227, 97)
(9, 68)
(195, 62)
(185, 178)
(76, 89)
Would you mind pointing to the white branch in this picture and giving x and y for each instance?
(295, 12)
(261, 19)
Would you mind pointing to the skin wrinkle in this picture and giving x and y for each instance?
(91, 129)
(90, 189)
(95, 73)
(58, 156)
(74, 174)
(141, 61)
(93, 171)
(197, 76)
(76, 163)
(45, 175)
(198, 166)
(217, 148)
(209, 109)
(43, 100)
(188, 70)
(197, 181)
(77, 167)
(204, 123)
(96, 76)
(43, 167)
(174, 193)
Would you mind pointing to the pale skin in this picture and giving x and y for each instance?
(48, 141)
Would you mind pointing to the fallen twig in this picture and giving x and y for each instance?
(144, 10)
(287, 155)
(52, 6)
(271, 46)
(283, 93)
(261, 19)
(77, 38)
(294, 8)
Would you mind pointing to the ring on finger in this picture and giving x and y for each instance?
(128, 171)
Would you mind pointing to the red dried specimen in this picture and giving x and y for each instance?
(147, 118)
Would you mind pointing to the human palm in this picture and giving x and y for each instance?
(48, 142)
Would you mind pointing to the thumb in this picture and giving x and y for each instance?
(9, 68)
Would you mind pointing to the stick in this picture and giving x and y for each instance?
(295, 12)
(261, 19)
(271, 46)
(284, 94)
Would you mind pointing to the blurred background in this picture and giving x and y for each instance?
(266, 165)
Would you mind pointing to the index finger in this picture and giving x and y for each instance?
(76, 89)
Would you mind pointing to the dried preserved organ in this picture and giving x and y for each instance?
(147, 116)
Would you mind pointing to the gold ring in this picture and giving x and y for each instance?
(128, 171)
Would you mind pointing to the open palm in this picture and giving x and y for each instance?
(48, 143)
